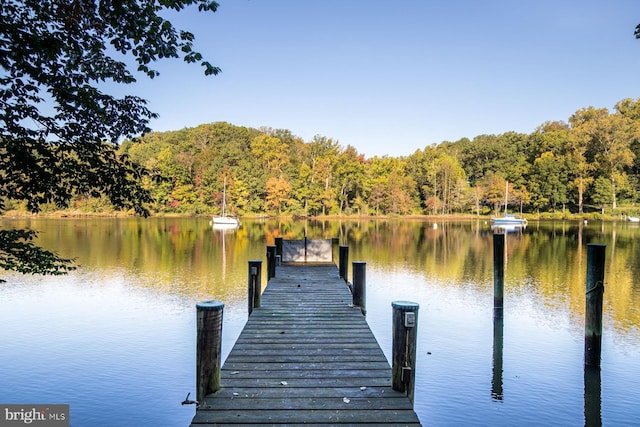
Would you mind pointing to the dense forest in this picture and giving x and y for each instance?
(588, 164)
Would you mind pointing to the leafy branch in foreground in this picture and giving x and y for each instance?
(59, 126)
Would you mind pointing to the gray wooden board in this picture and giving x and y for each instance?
(291, 415)
(319, 348)
(322, 364)
(287, 374)
(302, 357)
(381, 392)
(266, 424)
(306, 357)
(272, 356)
(306, 382)
(288, 416)
(305, 403)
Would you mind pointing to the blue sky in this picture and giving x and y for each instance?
(391, 77)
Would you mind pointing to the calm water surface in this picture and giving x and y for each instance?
(116, 338)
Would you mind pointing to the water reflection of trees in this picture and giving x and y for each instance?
(546, 262)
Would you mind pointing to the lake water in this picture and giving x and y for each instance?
(116, 339)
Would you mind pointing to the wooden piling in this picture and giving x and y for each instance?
(593, 313)
(271, 262)
(498, 273)
(278, 241)
(208, 355)
(360, 285)
(255, 284)
(343, 265)
(405, 334)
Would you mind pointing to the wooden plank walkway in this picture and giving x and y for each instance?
(306, 357)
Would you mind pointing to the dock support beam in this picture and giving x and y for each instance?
(405, 334)
(209, 341)
(593, 314)
(343, 265)
(498, 273)
(255, 285)
(360, 285)
(271, 262)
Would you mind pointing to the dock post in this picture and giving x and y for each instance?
(343, 262)
(405, 334)
(593, 314)
(278, 241)
(209, 341)
(498, 273)
(360, 285)
(255, 285)
(271, 262)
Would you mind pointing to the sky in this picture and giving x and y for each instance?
(392, 77)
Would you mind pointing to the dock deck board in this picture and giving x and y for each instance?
(306, 357)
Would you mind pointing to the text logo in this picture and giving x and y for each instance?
(34, 415)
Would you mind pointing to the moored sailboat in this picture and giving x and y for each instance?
(225, 221)
(508, 220)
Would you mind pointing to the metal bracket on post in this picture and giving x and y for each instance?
(409, 320)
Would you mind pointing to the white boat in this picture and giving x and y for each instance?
(508, 220)
(231, 225)
(225, 221)
(633, 219)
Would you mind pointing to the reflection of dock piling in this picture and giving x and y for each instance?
(307, 356)
(592, 397)
(497, 392)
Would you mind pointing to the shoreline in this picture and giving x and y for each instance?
(13, 214)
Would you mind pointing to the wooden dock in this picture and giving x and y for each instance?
(306, 357)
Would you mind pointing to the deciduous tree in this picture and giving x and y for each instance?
(59, 127)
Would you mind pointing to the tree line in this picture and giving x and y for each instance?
(591, 162)
(588, 164)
